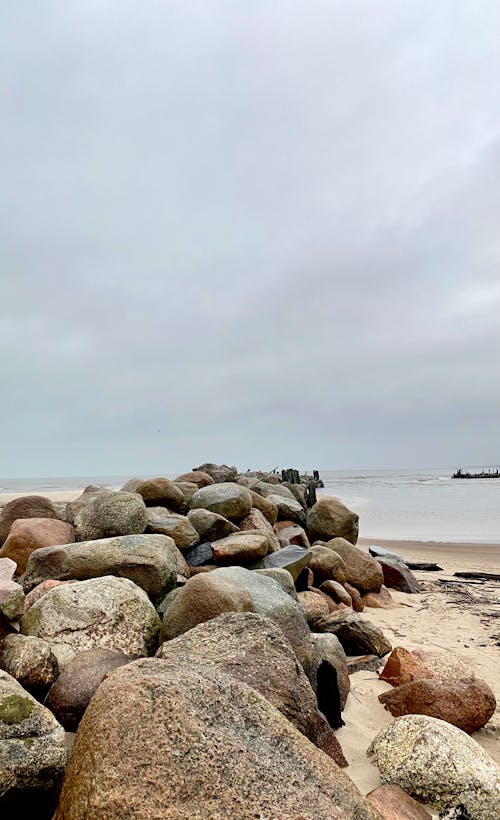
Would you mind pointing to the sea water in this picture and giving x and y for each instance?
(426, 505)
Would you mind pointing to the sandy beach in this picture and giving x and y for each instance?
(462, 620)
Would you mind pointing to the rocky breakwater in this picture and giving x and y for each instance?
(197, 635)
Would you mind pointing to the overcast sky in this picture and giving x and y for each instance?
(265, 233)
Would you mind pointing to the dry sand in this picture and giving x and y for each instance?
(463, 620)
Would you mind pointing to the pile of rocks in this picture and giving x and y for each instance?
(198, 636)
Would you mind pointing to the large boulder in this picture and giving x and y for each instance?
(468, 704)
(242, 548)
(293, 559)
(178, 527)
(210, 526)
(71, 693)
(438, 764)
(330, 518)
(108, 612)
(315, 605)
(397, 575)
(403, 666)
(109, 514)
(267, 508)
(188, 489)
(227, 753)
(28, 506)
(197, 477)
(326, 565)
(394, 804)
(363, 571)
(89, 493)
(328, 649)
(270, 600)
(230, 500)
(202, 598)
(267, 488)
(289, 509)
(32, 747)
(30, 661)
(156, 492)
(219, 472)
(28, 534)
(150, 561)
(357, 635)
(253, 650)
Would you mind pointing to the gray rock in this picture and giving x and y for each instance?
(109, 612)
(328, 648)
(77, 505)
(229, 500)
(109, 514)
(11, 593)
(289, 509)
(291, 558)
(210, 526)
(150, 561)
(329, 518)
(438, 764)
(178, 527)
(199, 556)
(267, 508)
(71, 693)
(30, 661)
(32, 743)
(269, 600)
(188, 489)
(357, 636)
(397, 575)
(282, 577)
(266, 488)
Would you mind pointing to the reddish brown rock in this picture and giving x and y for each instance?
(397, 575)
(197, 477)
(267, 508)
(357, 601)
(467, 704)
(28, 506)
(327, 741)
(393, 803)
(403, 667)
(293, 533)
(227, 753)
(202, 598)
(379, 600)
(313, 605)
(29, 534)
(327, 565)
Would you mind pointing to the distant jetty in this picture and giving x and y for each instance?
(483, 474)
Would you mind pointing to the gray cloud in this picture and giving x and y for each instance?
(263, 233)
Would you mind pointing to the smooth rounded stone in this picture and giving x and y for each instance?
(363, 571)
(282, 577)
(41, 590)
(178, 527)
(337, 592)
(437, 764)
(357, 601)
(28, 534)
(403, 666)
(219, 472)
(468, 704)
(379, 600)
(197, 477)
(267, 488)
(314, 606)
(267, 508)
(327, 648)
(252, 649)
(227, 753)
(293, 559)
(327, 565)
(329, 518)
(293, 533)
(357, 636)
(32, 743)
(71, 693)
(187, 489)
(78, 504)
(393, 803)
(211, 526)
(230, 500)
(289, 509)
(108, 613)
(156, 492)
(256, 520)
(28, 506)
(150, 561)
(241, 548)
(11, 593)
(109, 514)
(398, 576)
(269, 600)
(30, 661)
(202, 598)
